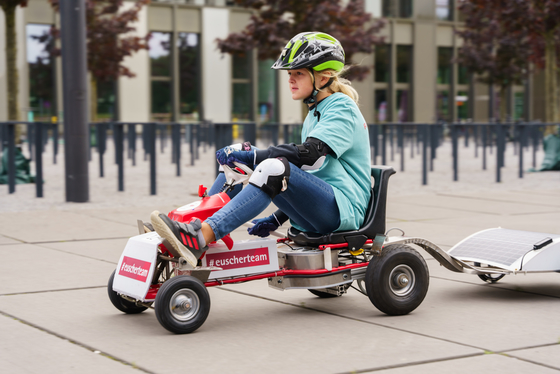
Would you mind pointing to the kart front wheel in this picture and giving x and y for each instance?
(397, 280)
(121, 304)
(182, 304)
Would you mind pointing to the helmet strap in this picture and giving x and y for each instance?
(312, 99)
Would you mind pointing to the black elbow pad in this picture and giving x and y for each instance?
(312, 153)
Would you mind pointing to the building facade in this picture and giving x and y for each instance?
(183, 77)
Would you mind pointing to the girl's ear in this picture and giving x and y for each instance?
(325, 78)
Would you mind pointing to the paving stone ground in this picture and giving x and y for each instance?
(55, 316)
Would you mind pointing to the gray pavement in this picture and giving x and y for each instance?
(55, 316)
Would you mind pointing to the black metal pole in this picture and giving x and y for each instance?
(191, 142)
(38, 160)
(11, 158)
(100, 127)
(400, 141)
(74, 72)
(383, 145)
(424, 154)
(152, 146)
(55, 142)
(455, 152)
(498, 151)
(119, 149)
(521, 145)
(391, 140)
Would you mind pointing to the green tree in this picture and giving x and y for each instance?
(274, 22)
(9, 8)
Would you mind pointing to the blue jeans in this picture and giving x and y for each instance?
(308, 201)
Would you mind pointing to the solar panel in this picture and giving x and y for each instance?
(497, 246)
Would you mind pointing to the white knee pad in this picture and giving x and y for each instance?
(272, 176)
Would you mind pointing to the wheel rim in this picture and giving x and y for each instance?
(402, 280)
(184, 305)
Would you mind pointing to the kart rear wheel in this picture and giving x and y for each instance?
(182, 304)
(397, 280)
(121, 304)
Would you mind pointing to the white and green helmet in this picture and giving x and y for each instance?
(311, 50)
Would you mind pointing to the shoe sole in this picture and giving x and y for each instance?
(165, 232)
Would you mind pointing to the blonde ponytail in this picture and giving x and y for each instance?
(340, 84)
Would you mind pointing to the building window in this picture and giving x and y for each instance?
(242, 98)
(382, 63)
(160, 64)
(267, 92)
(106, 101)
(443, 105)
(444, 10)
(403, 106)
(397, 8)
(388, 8)
(404, 63)
(405, 8)
(42, 105)
(445, 55)
(462, 103)
(188, 46)
(381, 105)
(518, 106)
(463, 74)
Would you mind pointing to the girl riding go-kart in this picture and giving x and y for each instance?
(322, 185)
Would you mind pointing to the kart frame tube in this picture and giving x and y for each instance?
(282, 273)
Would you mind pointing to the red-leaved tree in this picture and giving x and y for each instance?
(503, 39)
(275, 22)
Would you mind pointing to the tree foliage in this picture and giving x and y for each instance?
(274, 22)
(503, 39)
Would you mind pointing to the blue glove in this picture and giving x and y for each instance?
(228, 155)
(263, 226)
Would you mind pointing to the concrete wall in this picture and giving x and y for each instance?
(216, 68)
(134, 93)
(424, 75)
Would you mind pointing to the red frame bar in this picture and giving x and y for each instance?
(282, 273)
(339, 245)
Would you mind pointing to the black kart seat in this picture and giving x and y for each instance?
(374, 219)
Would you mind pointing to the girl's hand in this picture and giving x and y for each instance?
(263, 226)
(228, 155)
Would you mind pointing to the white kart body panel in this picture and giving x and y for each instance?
(136, 266)
(252, 256)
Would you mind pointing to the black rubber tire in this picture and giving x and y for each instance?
(385, 293)
(489, 278)
(121, 304)
(187, 290)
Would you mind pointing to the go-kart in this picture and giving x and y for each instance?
(394, 276)
(151, 273)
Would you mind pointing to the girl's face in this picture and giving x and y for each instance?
(300, 82)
